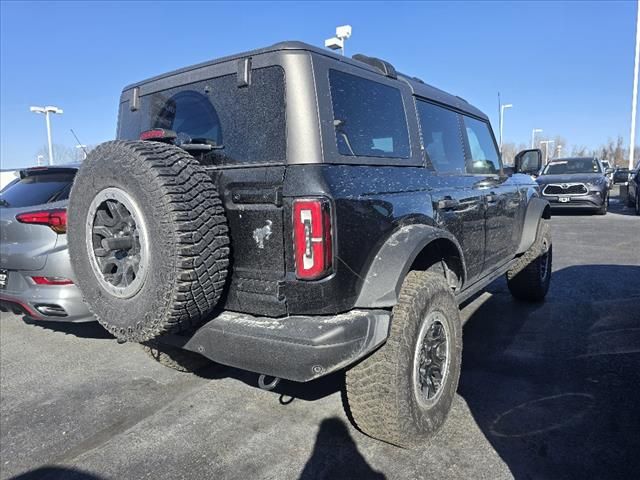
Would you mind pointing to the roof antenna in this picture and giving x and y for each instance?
(80, 144)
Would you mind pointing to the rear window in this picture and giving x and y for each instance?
(245, 124)
(368, 117)
(37, 190)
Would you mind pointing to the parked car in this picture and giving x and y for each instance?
(608, 171)
(633, 192)
(621, 175)
(35, 272)
(294, 212)
(578, 183)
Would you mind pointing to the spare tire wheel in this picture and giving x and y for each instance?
(148, 239)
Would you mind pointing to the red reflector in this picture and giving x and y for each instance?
(55, 219)
(312, 238)
(51, 281)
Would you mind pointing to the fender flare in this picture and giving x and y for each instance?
(391, 264)
(536, 209)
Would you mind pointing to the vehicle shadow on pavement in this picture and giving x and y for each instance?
(56, 473)
(287, 391)
(555, 386)
(80, 330)
(335, 455)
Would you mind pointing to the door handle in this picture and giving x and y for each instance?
(448, 204)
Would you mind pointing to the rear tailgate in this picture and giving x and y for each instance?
(244, 128)
(26, 246)
(22, 246)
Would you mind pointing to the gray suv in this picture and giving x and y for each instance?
(36, 279)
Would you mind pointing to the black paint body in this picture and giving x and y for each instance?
(389, 214)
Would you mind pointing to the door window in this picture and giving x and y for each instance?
(484, 158)
(441, 137)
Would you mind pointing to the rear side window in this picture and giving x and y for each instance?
(245, 124)
(368, 117)
(484, 155)
(441, 137)
(37, 189)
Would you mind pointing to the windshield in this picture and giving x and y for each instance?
(37, 190)
(577, 165)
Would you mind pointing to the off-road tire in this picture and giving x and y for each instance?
(187, 237)
(380, 392)
(531, 281)
(175, 358)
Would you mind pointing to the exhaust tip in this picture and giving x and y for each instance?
(51, 310)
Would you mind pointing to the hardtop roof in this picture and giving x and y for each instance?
(418, 87)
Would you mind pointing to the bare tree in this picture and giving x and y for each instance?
(580, 151)
(61, 154)
(510, 150)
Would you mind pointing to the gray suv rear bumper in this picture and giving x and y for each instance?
(43, 302)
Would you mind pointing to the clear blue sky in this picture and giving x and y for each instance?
(566, 66)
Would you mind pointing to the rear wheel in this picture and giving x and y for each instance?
(147, 239)
(531, 283)
(403, 392)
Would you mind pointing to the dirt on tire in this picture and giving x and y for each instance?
(188, 243)
(379, 390)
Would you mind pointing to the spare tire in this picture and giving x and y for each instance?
(148, 239)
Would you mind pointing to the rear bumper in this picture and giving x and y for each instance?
(298, 348)
(61, 303)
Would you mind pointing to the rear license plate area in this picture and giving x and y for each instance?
(4, 278)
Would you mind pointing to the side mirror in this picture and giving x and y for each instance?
(528, 161)
(608, 171)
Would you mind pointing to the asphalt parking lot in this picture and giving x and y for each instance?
(549, 390)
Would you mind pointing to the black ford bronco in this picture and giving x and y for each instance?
(293, 212)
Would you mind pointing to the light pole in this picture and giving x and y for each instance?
(546, 149)
(46, 111)
(558, 150)
(634, 97)
(533, 135)
(503, 107)
(39, 160)
(337, 43)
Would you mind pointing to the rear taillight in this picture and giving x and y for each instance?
(55, 219)
(51, 281)
(312, 238)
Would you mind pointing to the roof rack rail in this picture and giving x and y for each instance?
(463, 99)
(385, 67)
